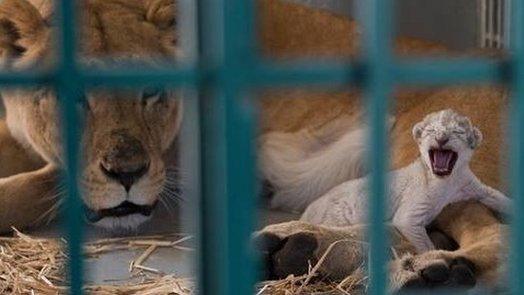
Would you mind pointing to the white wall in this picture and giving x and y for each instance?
(452, 22)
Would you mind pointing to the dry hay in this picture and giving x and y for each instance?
(355, 284)
(30, 265)
(36, 266)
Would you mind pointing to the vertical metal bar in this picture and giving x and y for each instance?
(491, 23)
(517, 147)
(190, 157)
(69, 85)
(500, 28)
(507, 22)
(483, 19)
(376, 17)
(227, 148)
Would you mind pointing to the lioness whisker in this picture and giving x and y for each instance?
(174, 181)
(169, 208)
(172, 194)
(51, 213)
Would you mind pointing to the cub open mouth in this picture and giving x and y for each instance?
(124, 209)
(442, 161)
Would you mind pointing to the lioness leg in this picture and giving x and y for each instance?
(289, 248)
(293, 247)
(481, 236)
(482, 246)
(28, 198)
(14, 158)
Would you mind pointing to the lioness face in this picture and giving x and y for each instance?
(125, 170)
(446, 141)
(126, 134)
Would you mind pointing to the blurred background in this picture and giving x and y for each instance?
(458, 24)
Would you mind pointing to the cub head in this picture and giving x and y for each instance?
(446, 141)
(128, 135)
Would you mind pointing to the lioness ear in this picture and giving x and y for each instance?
(20, 21)
(475, 138)
(8, 41)
(417, 130)
(163, 14)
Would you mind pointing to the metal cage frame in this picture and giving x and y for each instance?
(227, 67)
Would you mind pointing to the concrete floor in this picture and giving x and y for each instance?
(113, 268)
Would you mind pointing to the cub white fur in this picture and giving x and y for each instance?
(418, 192)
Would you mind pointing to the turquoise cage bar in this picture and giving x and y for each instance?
(228, 68)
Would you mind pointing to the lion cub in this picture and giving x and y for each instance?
(417, 193)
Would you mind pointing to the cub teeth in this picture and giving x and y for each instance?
(441, 160)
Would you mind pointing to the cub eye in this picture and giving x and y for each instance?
(459, 131)
(153, 95)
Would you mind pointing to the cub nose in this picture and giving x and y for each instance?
(442, 141)
(126, 161)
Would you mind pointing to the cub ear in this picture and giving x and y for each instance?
(475, 138)
(417, 130)
(20, 22)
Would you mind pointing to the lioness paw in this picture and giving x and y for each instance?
(436, 273)
(284, 256)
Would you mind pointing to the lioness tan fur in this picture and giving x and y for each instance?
(303, 123)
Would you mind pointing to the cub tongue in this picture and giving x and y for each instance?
(441, 159)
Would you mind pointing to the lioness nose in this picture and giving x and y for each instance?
(126, 161)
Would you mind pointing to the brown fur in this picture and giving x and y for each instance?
(14, 158)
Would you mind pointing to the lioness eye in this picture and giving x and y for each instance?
(152, 95)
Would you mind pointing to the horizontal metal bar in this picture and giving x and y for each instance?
(304, 73)
(26, 78)
(420, 71)
(120, 77)
(432, 71)
(139, 78)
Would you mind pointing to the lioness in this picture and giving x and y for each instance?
(129, 136)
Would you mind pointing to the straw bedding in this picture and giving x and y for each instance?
(31, 265)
